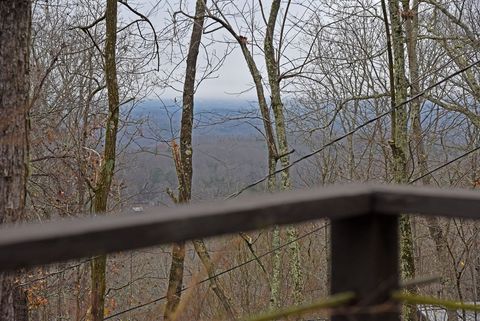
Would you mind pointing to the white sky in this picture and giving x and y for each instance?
(231, 80)
(234, 78)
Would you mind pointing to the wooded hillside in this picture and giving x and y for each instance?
(110, 105)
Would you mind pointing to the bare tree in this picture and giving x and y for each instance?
(183, 159)
(183, 163)
(104, 182)
(274, 46)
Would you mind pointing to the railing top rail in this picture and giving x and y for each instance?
(34, 244)
(392, 199)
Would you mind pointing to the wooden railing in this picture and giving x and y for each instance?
(364, 232)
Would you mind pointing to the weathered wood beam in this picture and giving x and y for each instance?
(364, 260)
(36, 244)
(426, 201)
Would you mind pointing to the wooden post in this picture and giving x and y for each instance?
(364, 253)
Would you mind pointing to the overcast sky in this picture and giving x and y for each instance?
(231, 80)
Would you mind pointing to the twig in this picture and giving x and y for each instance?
(408, 284)
(447, 304)
(333, 301)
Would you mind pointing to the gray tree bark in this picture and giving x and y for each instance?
(399, 141)
(15, 24)
(183, 163)
(102, 188)
(280, 128)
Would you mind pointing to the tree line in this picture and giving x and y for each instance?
(383, 91)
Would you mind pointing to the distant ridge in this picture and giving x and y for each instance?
(201, 104)
(218, 117)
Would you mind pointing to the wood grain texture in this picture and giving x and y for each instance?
(365, 260)
(35, 244)
(426, 201)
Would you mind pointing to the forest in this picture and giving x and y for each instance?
(119, 105)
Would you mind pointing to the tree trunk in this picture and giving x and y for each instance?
(433, 223)
(280, 128)
(175, 281)
(399, 142)
(183, 164)
(272, 164)
(264, 110)
(215, 285)
(104, 182)
(15, 24)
